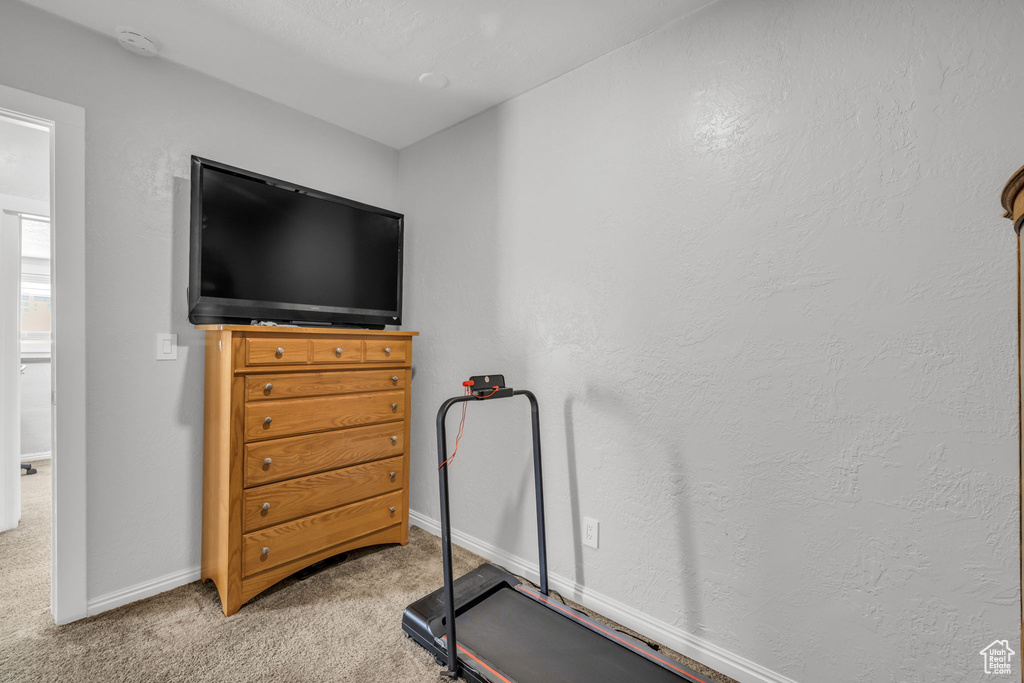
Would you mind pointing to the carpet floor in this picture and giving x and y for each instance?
(340, 624)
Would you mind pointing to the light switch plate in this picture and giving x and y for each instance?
(166, 346)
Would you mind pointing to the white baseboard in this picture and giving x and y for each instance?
(32, 457)
(692, 646)
(146, 589)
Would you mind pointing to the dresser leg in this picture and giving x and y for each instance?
(231, 606)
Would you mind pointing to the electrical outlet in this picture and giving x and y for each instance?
(590, 531)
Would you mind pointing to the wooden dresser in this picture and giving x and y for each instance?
(305, 450)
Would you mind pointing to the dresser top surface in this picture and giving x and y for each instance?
(282, 329)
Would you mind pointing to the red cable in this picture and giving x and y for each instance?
(462, 426)
(462, 423)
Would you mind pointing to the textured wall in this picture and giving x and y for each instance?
(754, 268)
(144, 118)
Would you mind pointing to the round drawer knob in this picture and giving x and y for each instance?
(394, 380)
(392, 475)
(391, 510)
(268, 387)
(337, 351)
(266, 462)
(394, 440)
(266, 507)
(280, 350)
(394, 407)
(265, 551)
(268, 420)
(387, 351)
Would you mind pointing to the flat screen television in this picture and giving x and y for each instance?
(264, 249)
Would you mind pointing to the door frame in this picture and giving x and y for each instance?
(68, 587)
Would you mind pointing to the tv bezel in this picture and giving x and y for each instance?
(221, 310)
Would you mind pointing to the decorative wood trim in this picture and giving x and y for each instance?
(1013, 199)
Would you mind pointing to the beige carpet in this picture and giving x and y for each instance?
(342, 624)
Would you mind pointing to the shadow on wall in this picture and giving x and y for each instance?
(191, 342)
(475, 289)
(453, 296)
(681, 514)
(574, 492)
(673, 508)
(501, 484)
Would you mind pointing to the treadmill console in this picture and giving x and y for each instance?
(488, 386)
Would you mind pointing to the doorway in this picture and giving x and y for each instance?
(63, 128)
(35, 328)
(24, 292)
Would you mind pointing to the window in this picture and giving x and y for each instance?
(36, 307)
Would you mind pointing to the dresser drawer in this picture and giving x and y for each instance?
(337, 351)
(259, 387)
(385, 351)
(269, 419)
(276, 351)
(272, 504)
(296, 456)
(292, 540)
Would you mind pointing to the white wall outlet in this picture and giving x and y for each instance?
(590, 531)
(166, 346)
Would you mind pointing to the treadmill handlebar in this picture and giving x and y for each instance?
(499, 391)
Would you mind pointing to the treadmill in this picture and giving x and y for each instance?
(509, 632)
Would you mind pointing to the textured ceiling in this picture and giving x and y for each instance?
(356, 63)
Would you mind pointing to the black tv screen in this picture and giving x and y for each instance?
(265, 249)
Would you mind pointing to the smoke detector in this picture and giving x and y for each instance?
(434, 81)
(137, 42)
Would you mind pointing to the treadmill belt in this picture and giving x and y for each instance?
(536, 644)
